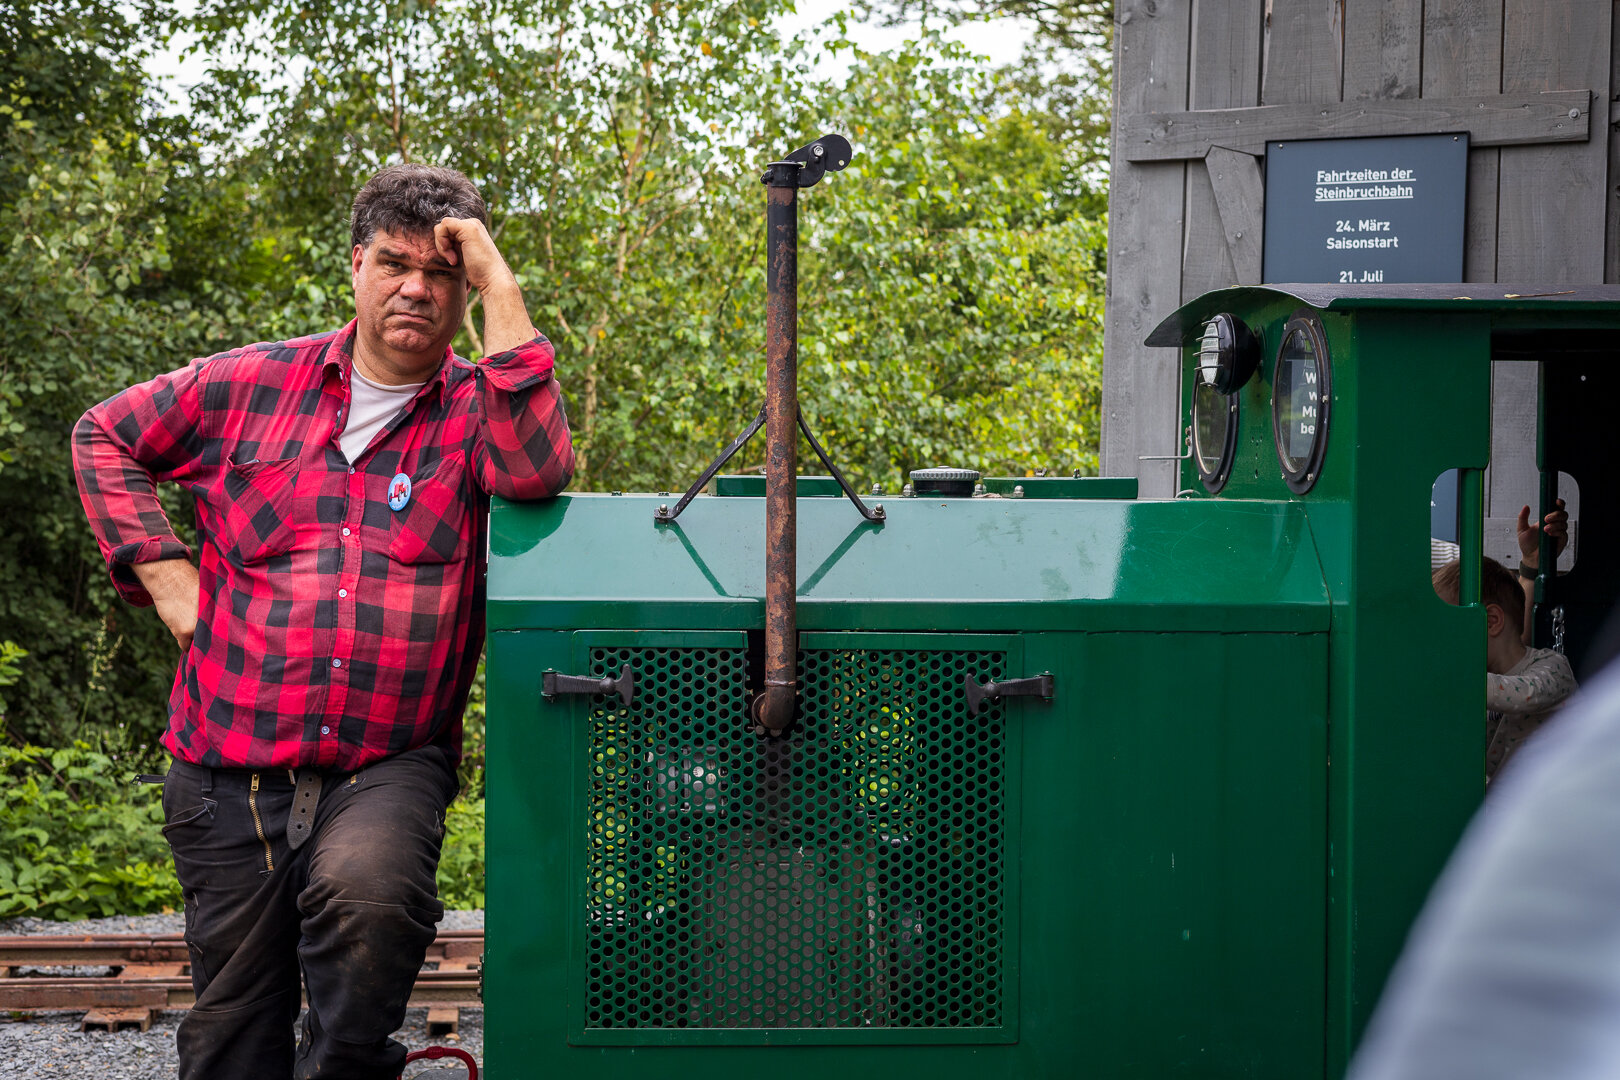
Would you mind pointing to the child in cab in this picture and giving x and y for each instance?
(1523, 686)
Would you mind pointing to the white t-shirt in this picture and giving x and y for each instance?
(371, 407)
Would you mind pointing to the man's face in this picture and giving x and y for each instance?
(408, 301)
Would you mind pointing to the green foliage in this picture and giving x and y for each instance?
(461, 862)
(471, 773)
(97, 197)
(78, 838)
(956, 315)
(11, 655)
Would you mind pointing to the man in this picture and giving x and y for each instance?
(333, 626)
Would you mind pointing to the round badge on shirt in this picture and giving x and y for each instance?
(399, 491)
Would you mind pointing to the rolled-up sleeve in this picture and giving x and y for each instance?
(522, 447)
(1543, 685)
(122, 449)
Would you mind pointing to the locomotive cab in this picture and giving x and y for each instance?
(1350, 402)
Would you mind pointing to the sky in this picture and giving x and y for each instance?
(1001, 40)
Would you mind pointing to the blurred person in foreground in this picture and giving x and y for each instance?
(331, 629)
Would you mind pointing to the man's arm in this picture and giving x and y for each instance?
(172, 584)
(524, 449)
(465, 242)
(122, 448)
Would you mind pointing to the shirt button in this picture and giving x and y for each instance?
(325, 730)
(337, 663)
(351, 470)
(345, 531)
(343, 592)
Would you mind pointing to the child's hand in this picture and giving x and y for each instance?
(1556, 525)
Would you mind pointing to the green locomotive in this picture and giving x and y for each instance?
(1077, 785)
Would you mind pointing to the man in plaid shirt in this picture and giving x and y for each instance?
(332, 627)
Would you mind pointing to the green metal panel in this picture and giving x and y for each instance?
(1064, 487)
(1127, 880)
(754, 486)
(936, 565)
(1178, 902)
(1408, 700)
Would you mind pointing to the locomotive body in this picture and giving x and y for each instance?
(1079, 785)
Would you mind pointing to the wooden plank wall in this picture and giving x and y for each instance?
(1546, 212)
(1144, 251)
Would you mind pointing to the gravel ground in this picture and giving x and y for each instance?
(51, 1044)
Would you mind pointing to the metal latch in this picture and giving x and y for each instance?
(1035, 686)
(553, 683)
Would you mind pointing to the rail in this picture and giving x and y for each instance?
(148, 974)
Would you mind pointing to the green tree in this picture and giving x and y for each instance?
(97, 194)
(620, 146)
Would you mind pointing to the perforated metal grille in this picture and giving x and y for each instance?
(850, 875)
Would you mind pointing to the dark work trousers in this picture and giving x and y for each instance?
(354, 908)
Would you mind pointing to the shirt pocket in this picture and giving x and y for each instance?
(432, 526)
(258, 512)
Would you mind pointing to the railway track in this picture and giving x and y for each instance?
(150, 974)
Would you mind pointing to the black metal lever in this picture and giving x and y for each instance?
(553, 683)
(1036, 686)
(814, 159)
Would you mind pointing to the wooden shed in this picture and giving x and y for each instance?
(1201, 86)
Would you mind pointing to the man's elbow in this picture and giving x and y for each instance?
(86, 439)
(550, 479)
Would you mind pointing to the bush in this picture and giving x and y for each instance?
(78, 838)
(461, 864)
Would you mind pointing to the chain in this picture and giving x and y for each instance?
(1558, 628)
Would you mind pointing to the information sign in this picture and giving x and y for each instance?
(1366, 211)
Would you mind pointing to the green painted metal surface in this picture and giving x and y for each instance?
(1063, 487)
(754, 486)
(1125, 881)
(937, 564)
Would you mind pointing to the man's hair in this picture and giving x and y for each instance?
(1496, 586)
(411, 200)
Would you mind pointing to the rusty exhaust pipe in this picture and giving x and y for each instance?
(776, 706)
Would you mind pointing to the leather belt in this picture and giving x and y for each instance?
(306, 795)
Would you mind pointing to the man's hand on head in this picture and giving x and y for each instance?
(172, 584)
(466, 243)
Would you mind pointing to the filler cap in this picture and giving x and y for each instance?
(951, 483)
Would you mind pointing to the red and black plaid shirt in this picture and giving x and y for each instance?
(333, 630)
